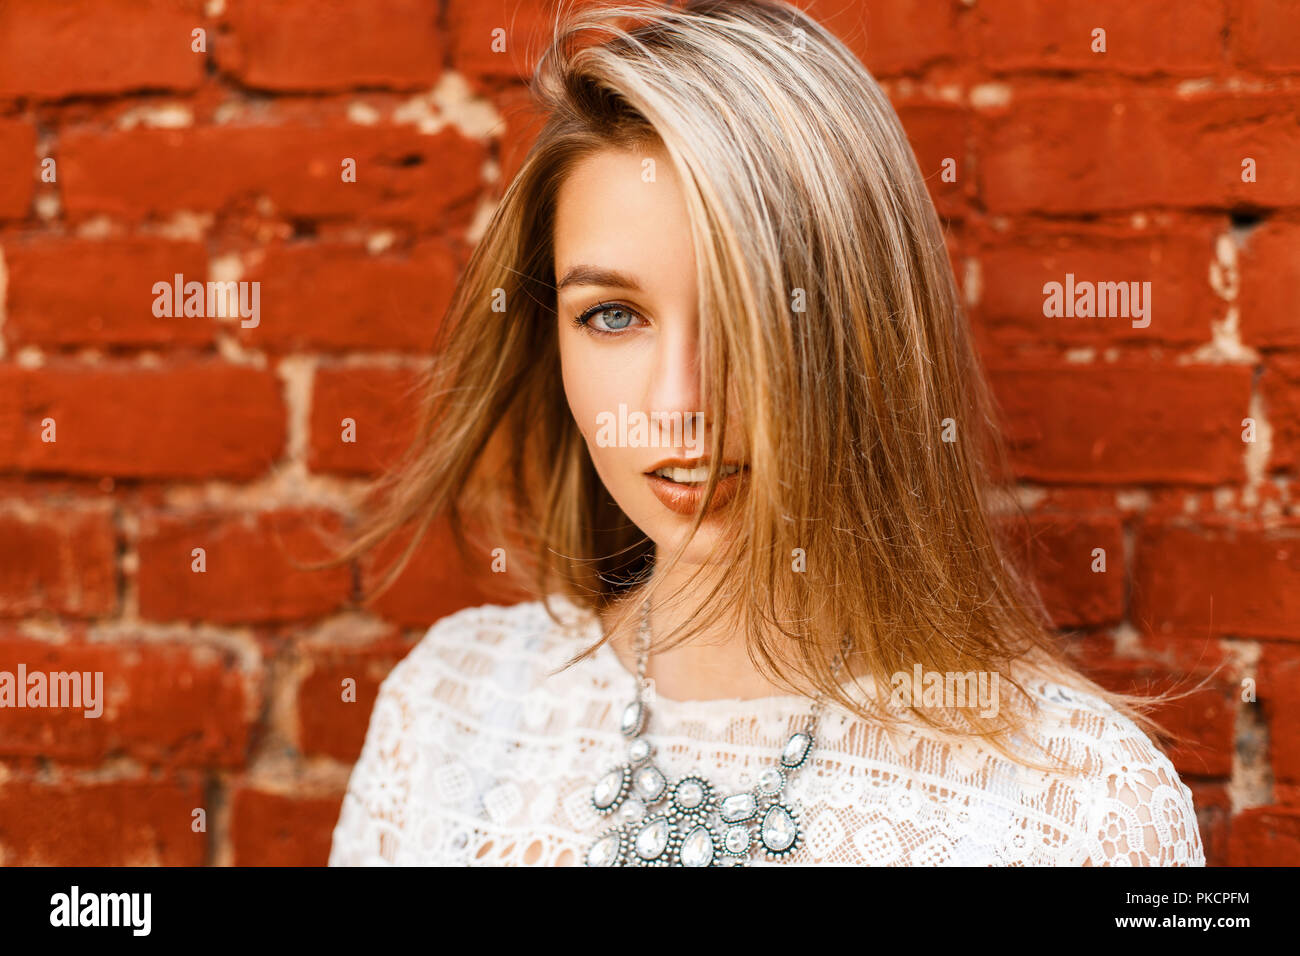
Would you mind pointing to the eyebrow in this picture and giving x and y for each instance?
(593, 275)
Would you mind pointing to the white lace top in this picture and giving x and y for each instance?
(477, 755)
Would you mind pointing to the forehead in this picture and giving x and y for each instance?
(623, 210)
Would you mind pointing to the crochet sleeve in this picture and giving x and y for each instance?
(1142, 814)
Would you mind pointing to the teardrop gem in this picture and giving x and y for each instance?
(737, 807)
(607, 789)
(652, 840)
(650, 783)
(778, 829)
(796, 749)
(633, 718)
(604, 852)
(697, 849)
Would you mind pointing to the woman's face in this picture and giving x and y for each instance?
(625, 267)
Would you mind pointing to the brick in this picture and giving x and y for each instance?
(1205, 719)
(118, 823)
(1064, 150)
(1214, 815)
(53, 50)
(1142, 36)
(187, 419)
(485, 55)
(1280, 387)
(337, 297)
(1265, 836)
(383, 405)
(288, 45)
(1058, 550)
(1014, 269)
(939, 132)
(328, 725)
(58, 560)
(178, 705)
(1265, 35)
(1217, 581)
(1123, 422)
(108, 301)
(1278, 693)
(270, 829)
(434, 583)
(250, 574)
(18, 168)
(1269, 266)
(884, 36)
(402, 175)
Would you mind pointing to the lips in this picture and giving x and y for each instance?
(685, 497)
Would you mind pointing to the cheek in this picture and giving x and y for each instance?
(582, 388)
(596, 381)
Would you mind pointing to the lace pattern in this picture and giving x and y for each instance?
(478, 755)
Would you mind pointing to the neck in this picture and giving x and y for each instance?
(712, 663)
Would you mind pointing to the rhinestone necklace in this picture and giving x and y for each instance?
(688, 823)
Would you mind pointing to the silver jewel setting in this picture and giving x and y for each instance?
(633, 719)
(687, 822)
(610, 790)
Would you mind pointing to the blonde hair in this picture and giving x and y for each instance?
(829, 316)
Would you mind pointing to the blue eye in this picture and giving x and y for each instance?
(606, 319)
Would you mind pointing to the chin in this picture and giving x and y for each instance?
(669, 535)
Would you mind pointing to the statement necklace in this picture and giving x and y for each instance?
(688, 823)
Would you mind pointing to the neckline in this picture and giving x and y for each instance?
(593, 630)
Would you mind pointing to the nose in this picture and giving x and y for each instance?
(674, 389)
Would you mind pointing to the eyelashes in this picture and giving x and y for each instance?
(584, 321)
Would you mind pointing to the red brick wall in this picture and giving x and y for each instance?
(176, 433)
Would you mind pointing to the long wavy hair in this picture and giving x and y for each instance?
(831, 320)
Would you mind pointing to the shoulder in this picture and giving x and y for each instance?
(489, 641)
(444, 718)
(1130, 806)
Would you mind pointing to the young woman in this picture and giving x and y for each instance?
(708, 380)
